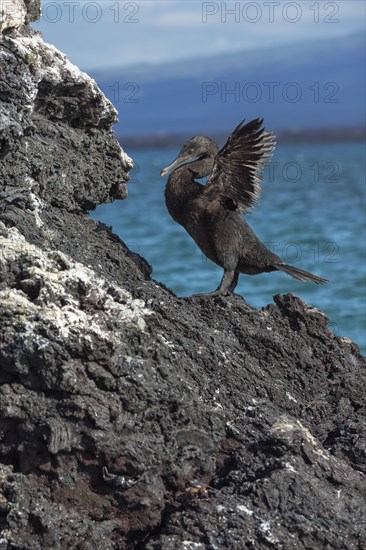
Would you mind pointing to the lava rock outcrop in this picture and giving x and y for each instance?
(130, 418)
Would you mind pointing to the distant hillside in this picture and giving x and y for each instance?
(310, 85)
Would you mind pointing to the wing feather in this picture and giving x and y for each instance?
(236, 177)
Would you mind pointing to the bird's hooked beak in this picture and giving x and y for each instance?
(179, 160)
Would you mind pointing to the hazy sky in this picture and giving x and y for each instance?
(107, 33)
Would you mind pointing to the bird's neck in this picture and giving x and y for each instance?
(179, 191)
(181, 183)
(182, 187)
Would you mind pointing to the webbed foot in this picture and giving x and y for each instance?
(226, 288)
(216, 292)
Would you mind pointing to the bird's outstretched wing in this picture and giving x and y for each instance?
(237, 172)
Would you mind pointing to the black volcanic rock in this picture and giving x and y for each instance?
(56, 136)
(130, 418)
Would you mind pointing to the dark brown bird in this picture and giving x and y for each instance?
(211, 213)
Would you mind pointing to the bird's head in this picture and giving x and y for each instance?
(196, 148)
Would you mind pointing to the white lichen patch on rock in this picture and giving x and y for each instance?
(35, 202)
(12, 14)
(63, 293)
(265, 531)
(52, 66)
(245, 509)
(290, 397)
(293, 431)
(127, 161)
(45, 91)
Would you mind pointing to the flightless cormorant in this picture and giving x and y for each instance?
(211, 213)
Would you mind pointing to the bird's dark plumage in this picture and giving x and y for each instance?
(212, 213)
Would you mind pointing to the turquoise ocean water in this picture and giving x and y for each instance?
(311, 213)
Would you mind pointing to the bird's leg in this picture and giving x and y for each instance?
(234, 282)
(227, 281)
(227, 285)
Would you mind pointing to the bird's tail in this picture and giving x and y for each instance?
(299, 274)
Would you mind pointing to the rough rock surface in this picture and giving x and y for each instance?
(130, 418)
(14, 13)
